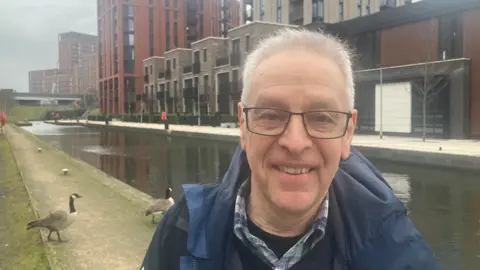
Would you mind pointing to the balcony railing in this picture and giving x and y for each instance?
(221, 61)
(235, 59)
(187, 69)
(196, 67)
(165, 74)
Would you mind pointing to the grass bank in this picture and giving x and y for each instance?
(18, 249)
(32, 113)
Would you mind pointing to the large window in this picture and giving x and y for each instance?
(317, 10)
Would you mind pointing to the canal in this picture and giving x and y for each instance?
(444, 204)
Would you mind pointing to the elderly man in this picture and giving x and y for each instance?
(296, 195)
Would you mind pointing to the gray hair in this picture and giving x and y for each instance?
(291, 38)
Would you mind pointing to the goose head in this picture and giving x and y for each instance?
(168, 193)
(75, 196)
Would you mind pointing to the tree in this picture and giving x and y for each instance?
(434, 80)
(7, 102)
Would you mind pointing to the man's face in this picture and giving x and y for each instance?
(295, 81)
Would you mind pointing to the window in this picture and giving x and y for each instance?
(359, 7)
(174, 63)
(204, 55)
(175, 3)
(340, 10)
(145, 71)
(317, 10)
(151, 69)
(167, 3)
(196, 57)
(168, 64)
(131, 39)
(130, 11)
(279, 11)
(247, 43)
(130, 25)
(262, 9)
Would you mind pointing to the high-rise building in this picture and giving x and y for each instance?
(130, 31)
(76, 51)
(301, 12)
(50, 81)
(73, 46)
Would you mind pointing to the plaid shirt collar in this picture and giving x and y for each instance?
(292, 256)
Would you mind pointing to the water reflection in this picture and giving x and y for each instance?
(444, 204)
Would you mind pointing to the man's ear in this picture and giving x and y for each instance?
(347, 139)
(243, 124)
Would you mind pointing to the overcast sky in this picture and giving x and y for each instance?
(28, 34)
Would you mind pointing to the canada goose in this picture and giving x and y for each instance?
(58, 220)
(160, 206)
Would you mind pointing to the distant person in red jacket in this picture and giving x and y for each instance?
(165, 120)
(3, 119)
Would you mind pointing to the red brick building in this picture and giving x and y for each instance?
(402, 39)
(132, 30)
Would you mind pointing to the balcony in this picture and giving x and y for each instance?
(165, 75)
(187, 69)
(145, 78)
(221, 61)
(190, 92)
(196, 68)
(235, 59)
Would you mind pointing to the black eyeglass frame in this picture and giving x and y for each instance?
(302, 114)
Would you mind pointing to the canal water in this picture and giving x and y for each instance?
(444, 204)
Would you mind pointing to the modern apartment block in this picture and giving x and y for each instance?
(131, 31)
(205, 78)
(301, 12)
(77, 53)
(427, 47)
(50, 81)
(73, 47)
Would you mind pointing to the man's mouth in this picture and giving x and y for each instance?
(293, 171)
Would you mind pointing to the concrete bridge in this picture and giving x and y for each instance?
(33, 99)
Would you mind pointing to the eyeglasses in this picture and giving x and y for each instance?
(318, 124)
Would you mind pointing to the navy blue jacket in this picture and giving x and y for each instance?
(367, 225)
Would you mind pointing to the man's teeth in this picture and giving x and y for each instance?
(294, 170)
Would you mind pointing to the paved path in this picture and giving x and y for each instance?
(454, 147)
(110, 232)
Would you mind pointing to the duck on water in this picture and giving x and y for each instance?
(58, 220)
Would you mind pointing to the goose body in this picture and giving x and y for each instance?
(58, 220)
(160, 206)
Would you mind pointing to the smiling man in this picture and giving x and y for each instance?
(296, 195)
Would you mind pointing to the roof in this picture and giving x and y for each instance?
(392, 17)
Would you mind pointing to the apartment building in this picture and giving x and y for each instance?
(131, 31)
(50, 81)
(206, 78)
(302, 12)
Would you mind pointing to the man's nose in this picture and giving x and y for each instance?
(295, 137)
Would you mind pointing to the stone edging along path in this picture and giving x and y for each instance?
(111, 231)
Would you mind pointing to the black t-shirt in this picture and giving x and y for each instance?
(279, 245)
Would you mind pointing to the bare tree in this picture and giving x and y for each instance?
(7, 102)
(434, 80)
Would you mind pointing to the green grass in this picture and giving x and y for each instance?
(19, 249)
(32, 113)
